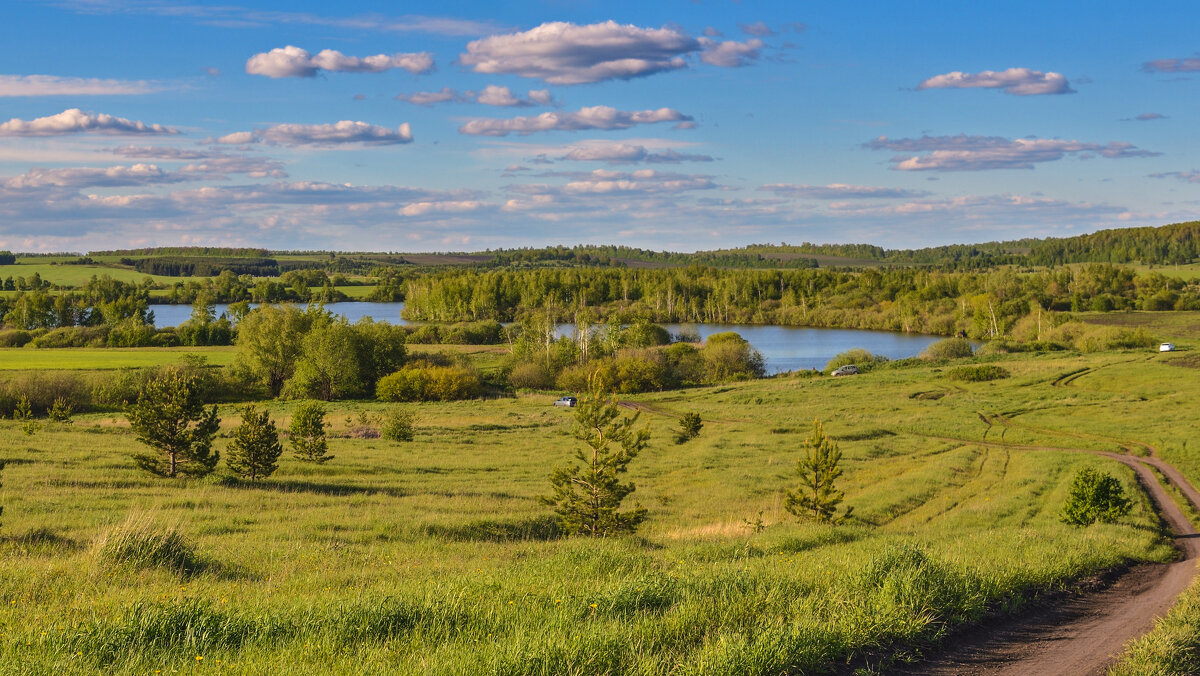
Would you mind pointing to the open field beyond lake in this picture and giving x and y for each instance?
(435, 556)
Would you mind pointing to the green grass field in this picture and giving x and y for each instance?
(75, 275)
(1165, 325)
(436, 556)
(102, 358)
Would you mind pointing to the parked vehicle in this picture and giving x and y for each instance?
(1166, 347)
(847, 370)
(566, 401)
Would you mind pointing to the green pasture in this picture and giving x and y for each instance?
(1165, 325)
(101, 358)
(75, 275)
(436, 556)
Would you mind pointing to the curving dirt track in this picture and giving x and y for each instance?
(1082, 634)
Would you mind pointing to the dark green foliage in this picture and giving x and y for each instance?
(587, 496)
(328, 365)
(689, 427)
(270, 342)
(307, 433)
(169, 417)
(1095, 496)
(816, 497)
(255, 449)
(977, 374)
(398, 425)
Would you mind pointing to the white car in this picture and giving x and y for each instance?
(1166, 347)
(847, 370)
(566, 401)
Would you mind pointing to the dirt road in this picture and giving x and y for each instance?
(1082, 634)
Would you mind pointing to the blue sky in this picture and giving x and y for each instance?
(669, 125)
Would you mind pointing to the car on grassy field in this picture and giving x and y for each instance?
(566, 401)
(847, 370)
(1166, 347)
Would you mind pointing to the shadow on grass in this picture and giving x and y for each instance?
(540, 528)
(314, 487)
(40, 542)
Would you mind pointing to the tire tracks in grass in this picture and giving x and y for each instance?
(1083, 633)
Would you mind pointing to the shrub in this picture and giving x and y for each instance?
(429, 383)
(977, 374)
(1095, 496)
(689, 427)
(949, 348)
(42, 389)
(727, 356)
(398, 425)
(532, 376)
(131, 332)
(60, 410)
(864, 360)
(72, 336)
(140, 543)
(14, 338)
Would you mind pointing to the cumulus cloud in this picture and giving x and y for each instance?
(291, 61)
(627, 153)
(1186, 65)
(158, 153)
(76, 121)
(448, 207)
(52, 85)
(758, 29)
(976, 153)
(92, 177)
(595, 117)
(840, 191)
(492, 95)
(730, 53)
(606, 182)
(346, 132)
(565, 53)
(1016, 81)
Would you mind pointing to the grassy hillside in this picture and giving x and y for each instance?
(436, 556)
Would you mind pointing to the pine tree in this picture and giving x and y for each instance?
(689, 427)
(587, 496)
(1095, 496)
(816, 497)
(307, 433)
(255, 449)
(170, 417)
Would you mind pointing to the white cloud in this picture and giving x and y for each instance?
(758, 29)
(839, 191)
(430, 98)
(293, 61)
(565, 53)
(76, 121)
(595, 117)
(159, 153)
(1016, 81)
(492, 95)
(627, 153)
(730, 53)
(88, 177)
(1185, 176)
(52, 85)
(1186, 65)
(346, 132)
(976, 153)
(451, 207)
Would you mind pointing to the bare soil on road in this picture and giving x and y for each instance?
(1081, 633)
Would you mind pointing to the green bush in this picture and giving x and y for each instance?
(977, 374)
(864, 360)
(532, 376)
(73, 336)
(1095, 496)
(949, 348)
(429, 383)
(14, 338)
(398, 425)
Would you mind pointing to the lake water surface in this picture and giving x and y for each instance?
(784, 348)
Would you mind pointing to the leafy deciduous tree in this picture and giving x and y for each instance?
(1095, 496)
(816, 497)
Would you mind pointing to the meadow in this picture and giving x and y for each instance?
(436, 555)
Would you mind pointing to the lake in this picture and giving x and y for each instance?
(784, 348)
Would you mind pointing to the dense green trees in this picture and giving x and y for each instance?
(169, 417)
